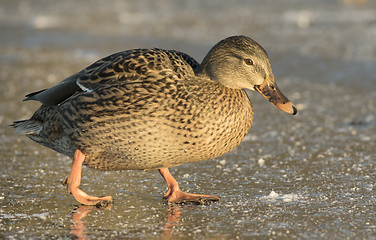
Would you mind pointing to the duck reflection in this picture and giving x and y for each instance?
(172, 220)
(78, 224)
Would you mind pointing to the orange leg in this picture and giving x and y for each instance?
(175, 195)
(74, 179)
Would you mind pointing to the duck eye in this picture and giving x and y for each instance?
(248, 61)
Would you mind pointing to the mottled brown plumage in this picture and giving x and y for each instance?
(154, 108)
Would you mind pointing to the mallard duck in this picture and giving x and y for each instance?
(153, 109)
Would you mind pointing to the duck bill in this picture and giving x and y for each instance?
(270, 91)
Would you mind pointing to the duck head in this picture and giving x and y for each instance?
(240, 62)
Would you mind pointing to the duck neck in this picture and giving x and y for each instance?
(203, 71)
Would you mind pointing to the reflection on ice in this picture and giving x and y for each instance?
(79, 230)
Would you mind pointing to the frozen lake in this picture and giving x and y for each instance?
(309, 176)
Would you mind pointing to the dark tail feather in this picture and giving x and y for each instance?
(31, 96)
(27, 127)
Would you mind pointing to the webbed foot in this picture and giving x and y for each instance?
(175, 195)
(74, 180)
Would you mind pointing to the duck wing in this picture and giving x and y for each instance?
(128, 66)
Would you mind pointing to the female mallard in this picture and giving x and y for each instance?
(153, 109)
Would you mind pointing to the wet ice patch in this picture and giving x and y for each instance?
(87, 55)
(221, 164)
(45, 22)
(261, 162)
(250, 137)
(42, 216)
(274, 197)
(290, 197)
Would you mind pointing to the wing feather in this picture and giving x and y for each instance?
(130, 66)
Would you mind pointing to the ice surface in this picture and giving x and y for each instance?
(309, 176)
